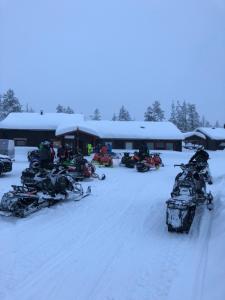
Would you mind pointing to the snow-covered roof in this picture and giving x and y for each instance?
(37, 121)
(124, 129)
(191, 133)
(213, 133)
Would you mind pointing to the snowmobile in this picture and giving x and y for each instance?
(152, 161)
(157, 159)
(49, 189)
(79, 168)
(103, 159)
(129, 161)
(189, 191)
(5, 164)
(142, 166)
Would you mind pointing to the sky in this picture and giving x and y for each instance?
(103, 54)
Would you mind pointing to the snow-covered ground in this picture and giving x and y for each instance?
(114, 244)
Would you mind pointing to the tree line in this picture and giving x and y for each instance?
(184, 115)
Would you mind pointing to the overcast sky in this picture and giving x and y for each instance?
(104, 53)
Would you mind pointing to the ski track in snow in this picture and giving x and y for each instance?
(112, 245)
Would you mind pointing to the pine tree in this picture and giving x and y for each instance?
(217, 124)
(69, 110)
(181, 116)
(59, 109)
(205, 123)
(29, 109)
(124, 114)
(173, 117)
(154, 113)
(114, 117)
(193, 120)
(157, 111)
(65, 110)
(149, 115)
(9, 103)
(96, 116)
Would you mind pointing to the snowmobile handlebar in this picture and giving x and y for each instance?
(185, 166)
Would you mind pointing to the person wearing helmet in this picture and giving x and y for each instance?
(200, 156)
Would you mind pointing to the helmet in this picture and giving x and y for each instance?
(200, 147)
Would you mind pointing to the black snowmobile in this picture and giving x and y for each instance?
(128, 160)
(5, 164)
(47, 188)
(142, 166)
(189, 191)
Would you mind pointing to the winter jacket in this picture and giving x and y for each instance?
(45, 153)
(200, 155)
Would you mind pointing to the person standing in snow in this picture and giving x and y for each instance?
(143, 151)
(61, 153)
(52, 152)
(109, 147)
(104, 149)
(45, 155)
(89, 148)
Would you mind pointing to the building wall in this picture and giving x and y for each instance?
(27, 137)
(152, 144)
(195, 140)
(214, 144)
(79, 140)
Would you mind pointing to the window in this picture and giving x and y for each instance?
(159, 145)
(150, 146)
(128, 145)
(169, 146)
(20, 141)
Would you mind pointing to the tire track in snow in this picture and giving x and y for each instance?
(201, 269)
(103, 228)
(59, 259)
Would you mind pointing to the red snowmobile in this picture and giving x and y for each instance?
(128, 160)
(153, 161)
(103, 159)
(80, 171)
